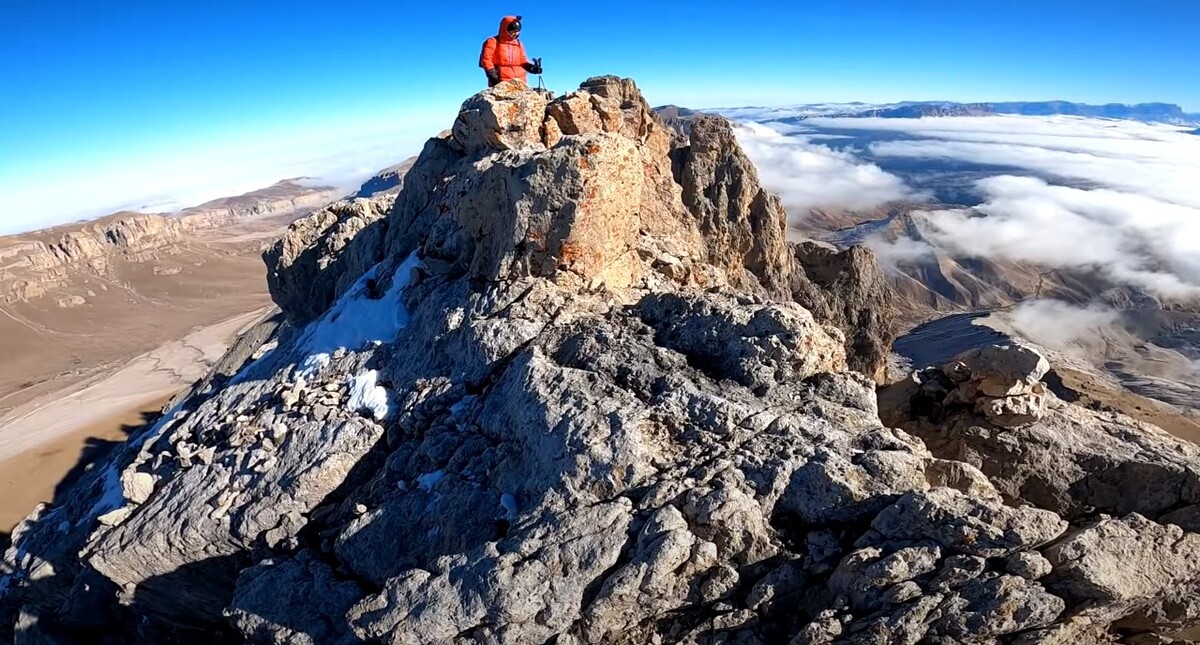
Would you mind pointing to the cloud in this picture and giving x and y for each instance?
(1120, 198)
(1059, 325)
(807, 175)
(1158, 160)
(1131, 239)
(894, 253)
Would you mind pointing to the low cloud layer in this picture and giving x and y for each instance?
(1116, 197)
(807, 174)
(1060, 325)
(1132, 239)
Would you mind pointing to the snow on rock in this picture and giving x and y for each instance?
(427, 481)
(358, 319)
(113, 496)
(367, 396)
(509, 504)
(311, 366)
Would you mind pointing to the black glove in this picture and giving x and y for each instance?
(535, 67)
(493, 76)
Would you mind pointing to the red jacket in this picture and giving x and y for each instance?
(505, 53)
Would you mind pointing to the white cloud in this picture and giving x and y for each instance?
(1158, 160)
(900, 251)
(807, 175)
(1060, 325)
(1131, 210)
(1132, 239)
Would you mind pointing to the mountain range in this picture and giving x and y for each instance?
(1146, 112)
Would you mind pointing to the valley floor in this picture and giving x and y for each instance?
(48, 440)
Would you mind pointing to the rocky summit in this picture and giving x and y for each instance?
(576, 386)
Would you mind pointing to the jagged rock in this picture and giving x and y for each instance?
(944, 473)
(1072, 461)
(743, 226)
(502, 118)
(957, 570)
(1030, 565)
(1002, 383)
(184, 571)
(983, 609)
(964, 525)
(906, 625)
(1121, 562)
(862, 575)
(831, 488)
(298, 601)
(1001, 371)
(323, 254)
(751, 345)
(602, 418)
(848, 290)
(819, 632)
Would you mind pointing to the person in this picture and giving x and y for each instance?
(503, 57)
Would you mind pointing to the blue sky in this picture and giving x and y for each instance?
(107, 104)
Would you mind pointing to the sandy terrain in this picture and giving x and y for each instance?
(69, 380)
(42, 440)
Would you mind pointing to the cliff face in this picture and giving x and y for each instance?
(41, 264)
(563, 391)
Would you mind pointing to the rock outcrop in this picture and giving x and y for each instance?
(575, 400)
(323, 254)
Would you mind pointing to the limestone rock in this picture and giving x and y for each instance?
(1122, 561)
(500, 118)
(1072, 461)
(297, 601)
(324, 253)
(743, 226)
(1030, 565)
(989, 608)
(964, 525)
(608, 419)
(848, 290)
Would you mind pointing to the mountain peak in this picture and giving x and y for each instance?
(573, 384)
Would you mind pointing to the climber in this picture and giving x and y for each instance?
(503, 57)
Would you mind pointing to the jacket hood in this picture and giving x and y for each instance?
(504, 23)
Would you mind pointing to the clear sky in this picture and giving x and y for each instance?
(133, 103)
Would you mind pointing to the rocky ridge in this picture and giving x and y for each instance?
(575, 386)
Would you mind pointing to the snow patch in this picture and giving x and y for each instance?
(357, 319)
(509, 504)
(427, 481)
(113, 495)
(311, 366)
(367, 396)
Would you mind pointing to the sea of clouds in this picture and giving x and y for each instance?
(1120, 198)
